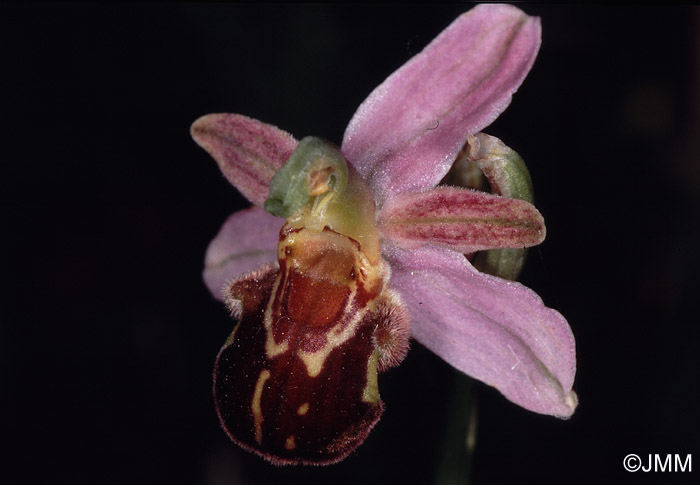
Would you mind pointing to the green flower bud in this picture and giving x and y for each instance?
(487, 162)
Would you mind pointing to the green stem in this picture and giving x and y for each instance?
(454, 465)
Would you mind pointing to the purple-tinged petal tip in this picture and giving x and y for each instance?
(248, 151)
(408, 132)
(494, 330)
(246, 241)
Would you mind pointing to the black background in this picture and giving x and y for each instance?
(108, 335)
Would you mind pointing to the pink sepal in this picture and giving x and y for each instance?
(408, 132)
(494, 330)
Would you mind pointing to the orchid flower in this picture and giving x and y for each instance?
(372, 252)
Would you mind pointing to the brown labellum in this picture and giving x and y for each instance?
(296, 382)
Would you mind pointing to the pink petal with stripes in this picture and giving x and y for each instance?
(248, 151)
(460, 219)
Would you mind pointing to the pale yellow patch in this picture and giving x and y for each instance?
(290, 444)
(318, 180)
(335, 337)
(316, 219)
(303, 409)
(370, 393)
(232, 335)
(255, 404)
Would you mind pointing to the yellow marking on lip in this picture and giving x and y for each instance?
(336, 336)
(370, 393)
(255, 404)
(303, 409)
(230, 338)
(290, 444)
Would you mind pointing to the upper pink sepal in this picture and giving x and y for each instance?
(494, 330)
(408, 132)
(460, 219)
(246, 241)
(248, 151)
